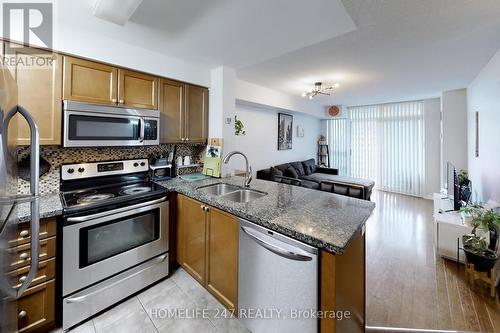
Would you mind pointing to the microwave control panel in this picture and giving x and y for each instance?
(150, 129)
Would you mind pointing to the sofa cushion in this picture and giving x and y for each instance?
(282, 167)
(275, 174)
(298, 167)
(309, 166)
(309, 184)
(290, 172)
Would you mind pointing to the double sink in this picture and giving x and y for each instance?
(232, 192)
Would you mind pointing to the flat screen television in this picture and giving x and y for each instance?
(453, 186)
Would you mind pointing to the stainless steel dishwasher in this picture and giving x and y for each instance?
(277, 282)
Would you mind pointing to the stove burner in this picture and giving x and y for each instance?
(94, 197)
(135, 190)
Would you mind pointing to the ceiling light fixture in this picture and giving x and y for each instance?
(318, 90)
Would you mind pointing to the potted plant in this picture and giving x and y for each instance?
(476, 248)
(464, 184)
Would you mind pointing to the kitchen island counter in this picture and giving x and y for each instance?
(324, 220)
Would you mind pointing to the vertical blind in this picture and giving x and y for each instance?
(384, 143)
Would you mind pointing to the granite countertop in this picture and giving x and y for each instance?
(323, 220)
(50, 205)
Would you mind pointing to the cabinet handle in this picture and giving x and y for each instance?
(23, 256)
(22, 314)
(121, 101)
(22, 279)
(113, 100)
(207, 209)
(202, 207)
(24, 233)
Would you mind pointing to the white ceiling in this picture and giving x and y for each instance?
(401, 50)
(378, 50)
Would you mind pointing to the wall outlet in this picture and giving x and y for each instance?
(229, 120)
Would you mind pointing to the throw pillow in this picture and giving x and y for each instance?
(309, 166)
(299, 168)
(275, 174)
(291, 172)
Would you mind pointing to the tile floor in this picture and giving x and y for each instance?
(147, 311)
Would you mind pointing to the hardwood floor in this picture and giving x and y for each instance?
(408, 286)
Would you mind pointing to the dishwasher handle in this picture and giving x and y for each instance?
(273, 248)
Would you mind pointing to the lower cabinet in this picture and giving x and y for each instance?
(36, 307)
(222, 257)
(207, 248)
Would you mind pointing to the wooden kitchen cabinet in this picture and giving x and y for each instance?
(192, 237)
(222, 257)
(207, 248)
(172, 117)
(184, 112)
(196, 114)
(94, 82)
(89, 81)
(342, 287)
(137, 90)
(36, 307)
(38, 74)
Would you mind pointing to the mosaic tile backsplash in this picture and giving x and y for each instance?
(56, 156)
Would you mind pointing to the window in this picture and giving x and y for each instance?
(384, 143)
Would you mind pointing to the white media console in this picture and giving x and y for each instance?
(448, 229)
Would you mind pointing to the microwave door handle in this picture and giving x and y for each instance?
(141, 129)
(34, 189)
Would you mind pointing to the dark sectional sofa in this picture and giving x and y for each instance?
(308, 174)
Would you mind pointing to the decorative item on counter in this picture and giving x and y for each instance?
(23, 167)
(212, 162)
(238, 127)
(179, 160)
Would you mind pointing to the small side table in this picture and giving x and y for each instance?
(489, 277)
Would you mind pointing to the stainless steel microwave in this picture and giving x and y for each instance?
(92, 125)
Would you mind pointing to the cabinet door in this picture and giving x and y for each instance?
(192, 225)
(88, 81)
(222, 256)
(36, 308)
(38, 74)
(137, 90)
(196, 114)
(171, 111)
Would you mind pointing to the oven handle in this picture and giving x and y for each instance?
(111, 212)
(82, 298)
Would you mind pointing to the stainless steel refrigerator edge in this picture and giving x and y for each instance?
(9, 198)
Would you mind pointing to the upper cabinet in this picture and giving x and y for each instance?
(39, 90)
(196, 114)
(88, 81)
(184, 112)
(92, 82)
(137, 90)
(172, 101)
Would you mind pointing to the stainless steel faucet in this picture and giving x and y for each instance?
(248, 171)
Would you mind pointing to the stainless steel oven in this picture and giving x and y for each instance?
(91, 125)
(108, 255)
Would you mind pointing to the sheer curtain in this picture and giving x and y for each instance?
(384, 143)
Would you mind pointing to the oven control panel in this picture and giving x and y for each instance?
(98, 169)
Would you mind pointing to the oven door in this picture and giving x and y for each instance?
(100, 245)
(93, 129)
